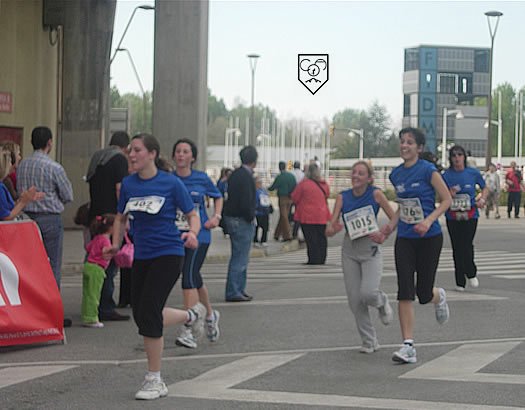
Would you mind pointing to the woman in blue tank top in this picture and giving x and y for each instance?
(361, 254)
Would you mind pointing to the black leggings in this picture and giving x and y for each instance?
(151, 284)
(316, 243)
(420, 256)
(263, 222)
(462, 235)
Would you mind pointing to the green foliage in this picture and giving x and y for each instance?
(140, 111)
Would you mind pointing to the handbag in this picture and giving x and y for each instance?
(124, 257)
(82, 215)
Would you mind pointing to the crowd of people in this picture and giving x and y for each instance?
(164, 211)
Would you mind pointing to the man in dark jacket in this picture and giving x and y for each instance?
(239, 215)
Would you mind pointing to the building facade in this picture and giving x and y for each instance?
(456, 78)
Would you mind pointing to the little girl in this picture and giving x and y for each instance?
(263, 209)
(94, 269)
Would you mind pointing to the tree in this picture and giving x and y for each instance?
(508, 117)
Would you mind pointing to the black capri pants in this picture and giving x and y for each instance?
(420, 256)
(151, 283)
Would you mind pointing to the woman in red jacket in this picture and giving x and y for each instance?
(310, 199)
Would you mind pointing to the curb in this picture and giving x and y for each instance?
(293, 245)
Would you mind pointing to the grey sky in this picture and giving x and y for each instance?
(365, 42)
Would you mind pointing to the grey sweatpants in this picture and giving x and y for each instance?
(362, 268)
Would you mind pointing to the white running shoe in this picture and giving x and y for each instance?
(407, 354)
(386, 314)
(442, 310)
(460, 289)
(186, 338)
(473, 282)
(197, 323)
(368, 349)
(93, 325)
(212, 327)
(152, 388)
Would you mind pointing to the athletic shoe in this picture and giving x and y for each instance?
(368, 349)
(460, 289)
(442, 310)
(407, 354)
(197, 321)
(386, 314)
(152, 388)
(94, 325)
(264, 244)
(186, 338)
(212, 327)
(473, 282)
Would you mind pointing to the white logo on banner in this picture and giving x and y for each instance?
(9, 278)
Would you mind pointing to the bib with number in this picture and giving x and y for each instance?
(411, 210)
(148, 204)
(460, 202)
(360, 222)
(182, 221)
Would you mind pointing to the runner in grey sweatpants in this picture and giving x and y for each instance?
(361, 252)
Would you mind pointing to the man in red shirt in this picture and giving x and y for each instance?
(513, 180)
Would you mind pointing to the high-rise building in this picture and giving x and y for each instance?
(457, 78)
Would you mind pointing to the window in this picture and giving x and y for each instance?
(481, 61)
(406, 105)
(447, 83)
(411, 59)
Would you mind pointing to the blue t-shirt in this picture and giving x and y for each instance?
(199, 185)
(414, 183)
(262, 202)
(6, 202)
(466, 181)
(153, 203)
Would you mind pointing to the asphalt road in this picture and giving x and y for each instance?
(296, 346)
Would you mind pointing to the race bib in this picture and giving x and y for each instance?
(411, 211)
(182, 221)
(360, 222)
(264, 200)
(461, 202)
(149, 204)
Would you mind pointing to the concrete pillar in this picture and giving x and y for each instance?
(87, 35)
(180, 90)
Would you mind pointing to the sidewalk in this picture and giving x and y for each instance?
(219, 250)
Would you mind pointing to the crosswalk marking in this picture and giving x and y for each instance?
(15, 375)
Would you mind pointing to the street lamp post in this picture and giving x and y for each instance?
(143, 7)
(144, 106)
(361, 134)
(253, 64)
(496, 15)
(446, 112)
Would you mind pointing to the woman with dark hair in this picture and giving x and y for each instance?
(462, 217)
(152, 197)
(200, 186)
(419, 238)
(222, 186)
(311, 209)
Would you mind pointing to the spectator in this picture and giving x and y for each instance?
(239, 213)
(493, 185)
(310, 198)
(49, 177)
(299, 175)
(10, 180)
(106, 170)
(513, 180)
(284, 184)
(263, 209)
(222, 186)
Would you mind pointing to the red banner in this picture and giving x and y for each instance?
(30, 304)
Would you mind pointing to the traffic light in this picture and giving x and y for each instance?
(331, 130)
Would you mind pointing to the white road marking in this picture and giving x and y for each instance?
(509, 276)
(217, 384)
(15, 375)
(462, 364)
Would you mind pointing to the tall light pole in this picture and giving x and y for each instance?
(490, 15)
(361, 134)
(144, 116)
(253, 64)
(446, 112)
(142, 7)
